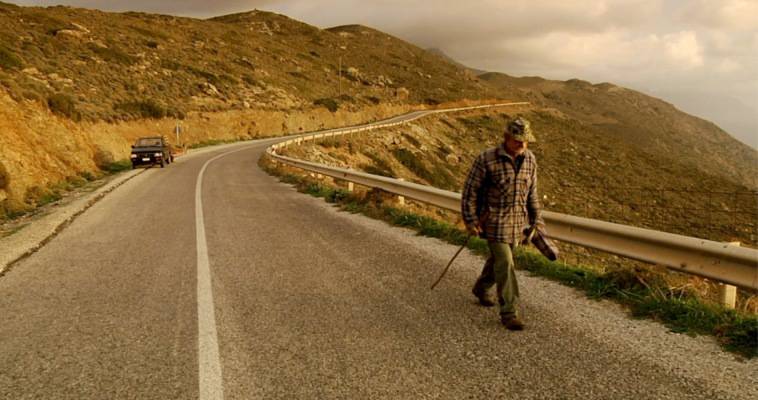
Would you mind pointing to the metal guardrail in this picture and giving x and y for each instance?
(713, 260)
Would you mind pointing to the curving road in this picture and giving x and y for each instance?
(298, 300)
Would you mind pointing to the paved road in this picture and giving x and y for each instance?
(309, 303)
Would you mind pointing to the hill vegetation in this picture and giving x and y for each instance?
(92, 65)
(584, 171)
(642, 125)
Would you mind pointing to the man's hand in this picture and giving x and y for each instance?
(528, 234)
(473, 230)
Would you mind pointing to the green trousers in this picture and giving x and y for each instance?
(499, 269)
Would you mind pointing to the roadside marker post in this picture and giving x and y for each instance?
(401, 199)
(728, 293)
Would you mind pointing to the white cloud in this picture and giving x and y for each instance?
(731, 14)
(683, 48)
(727, 66)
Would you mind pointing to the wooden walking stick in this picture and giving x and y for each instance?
(450, 263)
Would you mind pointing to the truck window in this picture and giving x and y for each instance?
(148, 142)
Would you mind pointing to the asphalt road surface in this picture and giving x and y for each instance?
(300, 301)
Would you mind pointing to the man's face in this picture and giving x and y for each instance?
(514, 146)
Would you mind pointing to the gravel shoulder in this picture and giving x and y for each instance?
(27, 234)
(565, 317)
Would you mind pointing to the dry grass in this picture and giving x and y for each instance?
(579, 174)
(647, 291)
(109, 65)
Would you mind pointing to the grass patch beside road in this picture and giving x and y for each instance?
(117, 166)
(37, 197)
(642, 290)
(212, 142)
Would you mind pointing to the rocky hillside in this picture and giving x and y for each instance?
(77, 86)
(91, 65)
(640, 124)
(583, 170)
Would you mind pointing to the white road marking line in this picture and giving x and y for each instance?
(211, 385)
(209, 362)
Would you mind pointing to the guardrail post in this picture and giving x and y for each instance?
(401, 199)
(728, 293)
(350, 186)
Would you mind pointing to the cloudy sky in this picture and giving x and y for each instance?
(701, 55)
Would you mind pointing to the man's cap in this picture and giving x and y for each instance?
(520, 129)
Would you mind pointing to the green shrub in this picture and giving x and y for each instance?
(331, 142)
(373, 170)
(88, 176)
(33, 90)
(75, 181)
(9, 60)
(413, 163)
(4, 179)
(31, 95)
(346, 98)
(174, 112)
(250, 80)
(412, 140)
(64, 105)
(245, 62)
(208, 76)
(149, 33)
(14, 90)
(380, 167)
(50, 25)
(442, 178)
(48, 197)
(112, 54)
(171, 64)
(328, 103)
(210, 142)
(117, 166)
(37, 196)
(298, 74)
(144, 109)
(8, 7)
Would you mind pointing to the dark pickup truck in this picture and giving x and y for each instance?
(151, 150)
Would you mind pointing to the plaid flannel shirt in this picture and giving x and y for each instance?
(497, 199)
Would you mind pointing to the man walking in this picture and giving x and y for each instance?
(499, 200)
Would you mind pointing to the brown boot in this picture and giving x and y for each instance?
(512, 322)
(484, 299)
